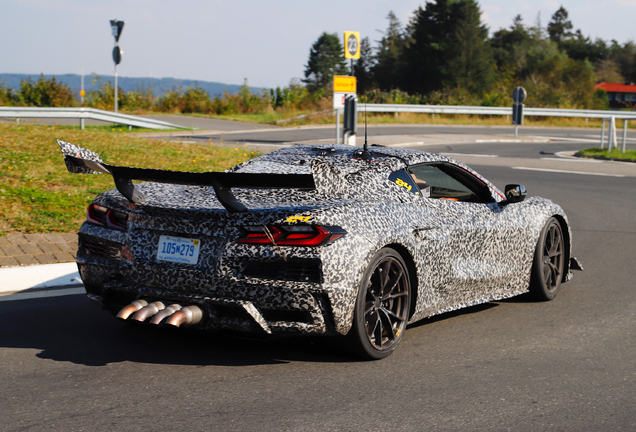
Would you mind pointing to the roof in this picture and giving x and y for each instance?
(616, 87)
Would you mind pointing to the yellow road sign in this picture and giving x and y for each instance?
(352, 45)
(344, 84)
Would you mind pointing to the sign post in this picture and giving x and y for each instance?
(117, 27)
(343, 86)
(518, 96)
(352, 46)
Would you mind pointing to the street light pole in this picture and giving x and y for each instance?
(117, 27)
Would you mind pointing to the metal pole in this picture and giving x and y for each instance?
(82, 89)
(603, 134)
(82, 123)
(624, 133)
(612, 135)
(337, 126)
(516, 130)
(115, 88)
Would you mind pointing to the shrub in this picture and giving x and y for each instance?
(45, 93)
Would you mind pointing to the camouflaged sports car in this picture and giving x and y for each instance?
(322, 239)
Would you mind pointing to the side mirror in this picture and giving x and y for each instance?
(514, 194)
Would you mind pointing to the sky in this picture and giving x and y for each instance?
(266, 42)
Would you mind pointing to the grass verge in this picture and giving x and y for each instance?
(615, 154)
(38, 194)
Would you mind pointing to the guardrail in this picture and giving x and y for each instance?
(505, 111)
(85, 113)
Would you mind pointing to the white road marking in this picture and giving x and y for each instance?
(567, 159)
(567, 172)
(469, 155)
(574, 139)
(619, 136)
(27, 295)
(406, 144)
(513, 140)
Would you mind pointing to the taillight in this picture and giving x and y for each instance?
(106, 217)
(291, 235)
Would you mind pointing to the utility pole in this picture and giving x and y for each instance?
(117, 27)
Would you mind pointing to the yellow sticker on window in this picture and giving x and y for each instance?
(400, 182)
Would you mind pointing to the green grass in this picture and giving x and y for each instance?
(38, 194)
(629, 155)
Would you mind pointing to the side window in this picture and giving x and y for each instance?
(446, 181)
(403, 179)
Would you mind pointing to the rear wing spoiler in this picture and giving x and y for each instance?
(83, 161)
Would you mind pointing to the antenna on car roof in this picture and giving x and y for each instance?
(365, 155)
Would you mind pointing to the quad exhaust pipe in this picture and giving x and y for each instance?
(173, 315)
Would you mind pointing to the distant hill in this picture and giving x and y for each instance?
(159, 86)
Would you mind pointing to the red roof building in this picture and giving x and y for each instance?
(619, 95)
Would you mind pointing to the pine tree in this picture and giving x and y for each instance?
(470, 64)
(326, 59)
(425, 57)
(448, 47)
(362, 66)
(388, 68)
(559, 26)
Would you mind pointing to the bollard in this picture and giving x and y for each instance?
(603, 133)
(624, 135)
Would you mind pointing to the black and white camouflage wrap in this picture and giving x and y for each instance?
(459, 253)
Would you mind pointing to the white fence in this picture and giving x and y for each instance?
(82, 114)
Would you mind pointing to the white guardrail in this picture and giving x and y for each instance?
(505, 111)
(607, 116)
(85, 113)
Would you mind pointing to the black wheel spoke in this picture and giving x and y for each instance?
(393, 296)
(387, 324)
(372, 323)
(390, 314)
(392, 283)
(377, 331)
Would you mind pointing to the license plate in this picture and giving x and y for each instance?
(178, 249)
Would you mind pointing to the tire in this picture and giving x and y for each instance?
(382, 307)
(549, 262)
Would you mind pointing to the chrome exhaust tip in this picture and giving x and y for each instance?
(160, 316)
(189, 315)
(147, 311)
(126, 311)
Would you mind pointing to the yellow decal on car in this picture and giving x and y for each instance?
(400, 182)
(298, 219)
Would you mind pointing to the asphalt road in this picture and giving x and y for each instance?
(516, 365)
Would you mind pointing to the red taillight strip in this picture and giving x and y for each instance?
(109, 219)
(318, 236)
(261, 238)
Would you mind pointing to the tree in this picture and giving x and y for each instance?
(326, 59)
(362, 67)
(471, 65)
(388, 70)
(429, 32)
(448, 47)
(509, 46)
(559, 26)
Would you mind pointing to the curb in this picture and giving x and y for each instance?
(39, 277)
